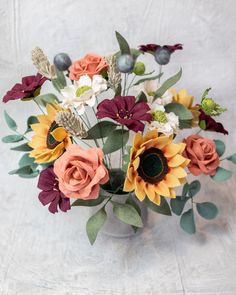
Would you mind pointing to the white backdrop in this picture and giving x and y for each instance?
(45, 254)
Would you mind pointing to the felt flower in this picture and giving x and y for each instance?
(166, 123)
(151, 48)
(183, 98)
(50, 140)
(202, 154)
(51, 194)
(91, 64)
(210, 124)
(156, 167)
(149, 88)
(83, 92)
(80, 172)
(27, 89)
(125, 111)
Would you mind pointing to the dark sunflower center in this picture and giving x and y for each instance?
(153, 165)
(51, 141)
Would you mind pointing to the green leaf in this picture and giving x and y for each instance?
(88, 203)
(135, 52)
(222, 174)
(180, 110)
(31, 120)
(147, 74)
(164, 207)
(220, 147)
(12, 138)
(148, 79)
(202, 124)
(177, 205)
(123, 44)
(25, 160)
(185, 124)
(232, 158)
(115, 140)
(101, 129)
(94, 224)
(194, 188)
(46, 98)
(26, 170)
(207, 210)
(187, 222)
(60, 82)
(185, 190)
(132, 202)
(141, 97)
(10, 122)
(168, 84)
(127, 213)
(22, 148)
(32, 175)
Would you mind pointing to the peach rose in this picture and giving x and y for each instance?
(80, 172)
(202, 154)
(91, 64)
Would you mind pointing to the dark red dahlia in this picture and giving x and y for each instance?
(151, 48)
(51, 194)
(26, 89)
(211, 124)
(125, 111)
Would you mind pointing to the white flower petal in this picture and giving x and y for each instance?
(91, 102)
(80, 109)
(85, 80)
(99, 84)
(68, 91)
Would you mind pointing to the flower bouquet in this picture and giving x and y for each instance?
(110, 137)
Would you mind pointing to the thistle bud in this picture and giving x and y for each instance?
(139, 68)
(125, 63)
(62, 61)
(162, 56)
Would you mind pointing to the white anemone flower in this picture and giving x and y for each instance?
(83, 92)
(149, 88)
(166, 123)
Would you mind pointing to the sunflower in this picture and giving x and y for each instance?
(156, 167)
(50, 140)
(187, 100)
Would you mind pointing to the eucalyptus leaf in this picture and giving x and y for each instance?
(123, 44)
(185, 124)
(164, 207)
(148, 79)
(179, 110)
(222, 174)
(220, 147)
(26, 170)
(12, 138)
(187, 222)
(207, 210)
(94, 224)
(101, 129)
(185, 190)
(60, 82)
(168, 84)
(134, 204)
(44, 99)
(115, 140)
(232, 158)
(31, 120)
(194, 188)
(127, 213)
(10, 122)
(32, 175)
(25, 160)
(22, 148)
(88, 203)
(177, 205)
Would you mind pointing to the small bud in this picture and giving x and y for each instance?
(162, 56)
(62, 61)
(139, 68)
(125, 63)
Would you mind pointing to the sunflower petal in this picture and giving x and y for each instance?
(128, 185)
(59, 134)
(176, 161)
(171, 181)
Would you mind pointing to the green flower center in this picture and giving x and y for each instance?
(81, 90)
(209, 104)
(159, 116)
(153, 165)
(151, 93)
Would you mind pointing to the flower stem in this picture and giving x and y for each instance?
(160, 69)
(130, 84)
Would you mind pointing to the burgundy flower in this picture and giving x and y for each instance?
(211, 124)
(151, 48)
(48, 183)
(26, 89)
(125, 111)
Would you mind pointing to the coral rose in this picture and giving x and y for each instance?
(90, 64)
(202, 154)
(80, 172)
